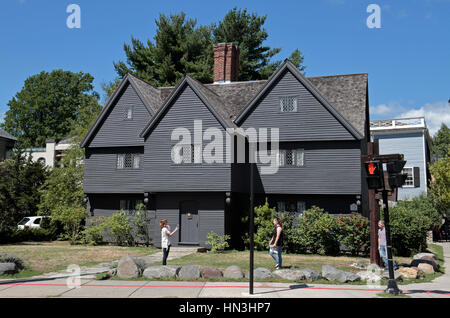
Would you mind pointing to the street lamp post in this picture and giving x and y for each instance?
(252, 243)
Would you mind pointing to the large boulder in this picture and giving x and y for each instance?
(431, 259)
(410, 272)
(426, 268)
(234, 272)
(8, 268)
(161, 271)
(189, 272)
(289, 274)
(420, 255)
(397, 275)
(260, 273)
(210, 272)
(351, 277)
(310, 275)
(369, 276)
(127, 268)
(331, 273)
(416, 262)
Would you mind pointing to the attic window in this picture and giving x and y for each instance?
(128, 113)
(288, 104)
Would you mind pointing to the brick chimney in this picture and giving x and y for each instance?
(226, 63)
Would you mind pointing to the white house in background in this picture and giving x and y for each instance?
(52, 153)
(410, 137)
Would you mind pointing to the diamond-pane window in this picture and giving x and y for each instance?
(128, 161)
(288, 104)
(290, 154)
(291, 157)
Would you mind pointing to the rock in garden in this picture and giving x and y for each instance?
(310, 275)
(431, 259)
(161, 271)
(289, 274)
(416, 262)
(410, 272)
(351, 277)
(127, 268)
(331, 273)
(210, 272)
(260, 273)
(420, 255)
(369, 276)
(397, 275)
(8, 268)
(426, 268)
(234, 272)
(189, 272)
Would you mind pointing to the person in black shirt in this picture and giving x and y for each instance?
(276, 242)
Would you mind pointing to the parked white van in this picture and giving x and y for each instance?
(30, 222)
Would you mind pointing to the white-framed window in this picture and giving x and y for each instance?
(128, 161)
(128, 113)
(291, 157)
(413, 179)
(288, 104)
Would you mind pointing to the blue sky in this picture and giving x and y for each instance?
(407, 59)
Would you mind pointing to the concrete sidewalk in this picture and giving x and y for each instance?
(57, 287)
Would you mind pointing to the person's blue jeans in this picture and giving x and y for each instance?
(276, 256)
(383, 254)
(165, 255)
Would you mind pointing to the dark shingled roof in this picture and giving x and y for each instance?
(6, 135)
(151, 94)
(346, 93)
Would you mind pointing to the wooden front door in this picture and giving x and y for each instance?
(189, 222)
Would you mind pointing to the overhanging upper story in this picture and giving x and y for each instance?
(325, 117)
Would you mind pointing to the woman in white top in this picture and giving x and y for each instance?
(165, 238)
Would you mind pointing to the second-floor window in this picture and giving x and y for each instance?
(128, 113)
(288, 104)
(128, 161)
(291, 157)
(188, 153)
(413, 179)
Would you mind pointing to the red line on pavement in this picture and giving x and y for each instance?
(220, 286)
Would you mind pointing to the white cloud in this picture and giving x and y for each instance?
(388, 109)
(435, 114)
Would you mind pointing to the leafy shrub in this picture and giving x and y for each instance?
(409, 227)
(217, 242)
(119, 229)
(72, 219)
(353, 232)
(316, 232)
(11, 258)
(263, 220)
(140, 225)
(93, 234)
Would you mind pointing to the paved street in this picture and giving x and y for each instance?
(90, 288)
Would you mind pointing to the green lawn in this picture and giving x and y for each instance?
(41, 257)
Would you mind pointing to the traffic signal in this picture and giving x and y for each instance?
(396, 178)
(375, 179)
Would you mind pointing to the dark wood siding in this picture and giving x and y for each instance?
(115, 131)
(101, 175)
(312, 121)
(161, 174)
(211, 213)
(329, 168)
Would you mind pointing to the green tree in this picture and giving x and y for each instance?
(441, 143)
(20, 182)
(48, 106)
(180, 47)
(440, 185)
(246, 30)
